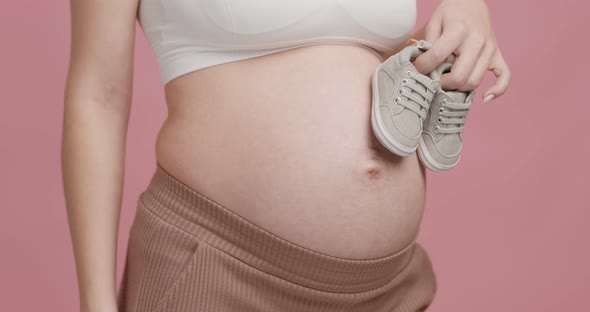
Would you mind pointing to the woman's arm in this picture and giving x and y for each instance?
(96, 112)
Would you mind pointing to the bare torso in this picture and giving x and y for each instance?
(285, 141)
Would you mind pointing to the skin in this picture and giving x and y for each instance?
(283, 165)
(96, 112)
(463, 27)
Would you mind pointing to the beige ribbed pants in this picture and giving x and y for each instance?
(187, 253)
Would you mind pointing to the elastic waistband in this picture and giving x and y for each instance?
(220, 227)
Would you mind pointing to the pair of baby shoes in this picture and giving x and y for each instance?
(412, 112)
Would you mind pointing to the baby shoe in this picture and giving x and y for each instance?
(401, 99)
(440, 144)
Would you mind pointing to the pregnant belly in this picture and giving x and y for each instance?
(285, 141)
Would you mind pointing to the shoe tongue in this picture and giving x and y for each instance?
(441, 69)
(457, 96)
(409, 54)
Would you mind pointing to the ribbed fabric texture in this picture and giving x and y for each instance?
(187, 253)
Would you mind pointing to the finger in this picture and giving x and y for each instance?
(448, 42)
(433, 29)
(481, 68)
(503, 74)
(462, 69)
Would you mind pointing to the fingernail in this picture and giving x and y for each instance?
(488, 98)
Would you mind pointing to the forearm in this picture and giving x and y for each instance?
(93, 154)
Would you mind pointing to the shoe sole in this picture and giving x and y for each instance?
(379, 130)
(429, 161)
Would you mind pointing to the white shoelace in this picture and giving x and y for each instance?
(418, 93)
(452, 113)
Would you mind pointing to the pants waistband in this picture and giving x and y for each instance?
(220, 227)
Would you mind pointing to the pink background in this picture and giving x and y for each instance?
(507, 230)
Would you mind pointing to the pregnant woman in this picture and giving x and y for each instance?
(270, 192)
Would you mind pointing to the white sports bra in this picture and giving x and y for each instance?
(188, 35)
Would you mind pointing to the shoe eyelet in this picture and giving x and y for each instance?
(400, 91)
(436, 129)
(439, 119)
(444, 101)
(408, 73)
(441, 110)
(404, 81)
(396, 100)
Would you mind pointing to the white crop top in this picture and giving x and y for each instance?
(188, 35)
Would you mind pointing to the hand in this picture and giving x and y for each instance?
(463, 28)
